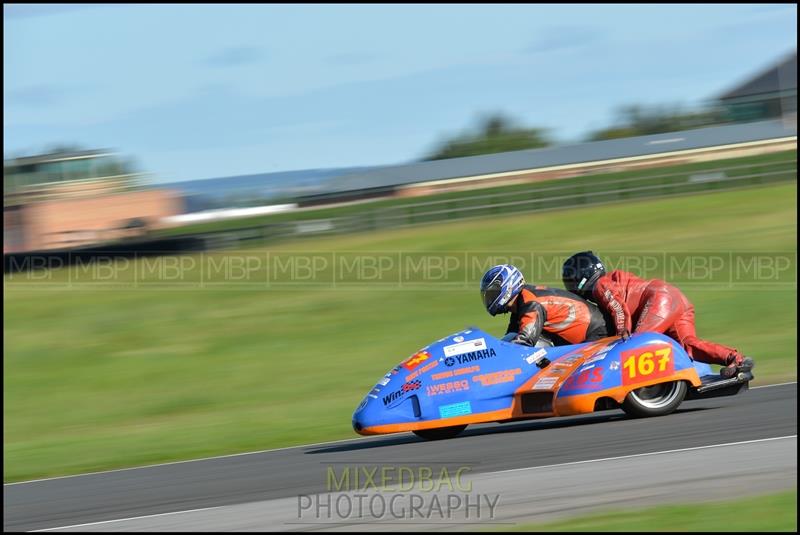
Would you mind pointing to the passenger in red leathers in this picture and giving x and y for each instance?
(639, 305)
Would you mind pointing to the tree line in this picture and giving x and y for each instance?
(497, 132)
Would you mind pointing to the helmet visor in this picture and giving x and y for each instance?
(570, 284)
(490, 295)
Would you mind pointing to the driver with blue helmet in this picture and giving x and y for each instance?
(539, 312)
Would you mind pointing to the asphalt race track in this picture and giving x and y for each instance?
(727, 447)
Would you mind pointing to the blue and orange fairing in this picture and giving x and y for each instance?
(472, 377)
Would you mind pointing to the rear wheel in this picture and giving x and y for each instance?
(440, 433)
(655, 400)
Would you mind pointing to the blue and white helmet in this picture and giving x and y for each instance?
(499, 286)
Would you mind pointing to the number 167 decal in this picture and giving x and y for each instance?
(646, 363)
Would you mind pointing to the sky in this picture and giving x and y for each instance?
(210, 90)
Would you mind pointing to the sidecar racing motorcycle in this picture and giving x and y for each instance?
(472, 377)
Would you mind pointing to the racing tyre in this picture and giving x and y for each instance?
(655, 400)
(440, 433)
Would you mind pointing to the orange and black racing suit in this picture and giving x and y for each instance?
(563, 317)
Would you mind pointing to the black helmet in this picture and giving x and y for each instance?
(581, 271)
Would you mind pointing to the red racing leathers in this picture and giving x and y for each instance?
(639, 305)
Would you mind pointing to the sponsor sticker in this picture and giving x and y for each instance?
(412, 362)
(452, 373)
(495, 378)
(397, 394)
(470, 357)
(613, 365)
(647, 363)
(442, 375)
(413, 385)
(545, 383)
(464, 347)
(448, 387)
(428, 367)
(458, 339)
(590, 377)
(455, 409)
(466, 370)
(394, 396)
(595, 358)
(536, 356)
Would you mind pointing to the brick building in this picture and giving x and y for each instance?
(68, 200)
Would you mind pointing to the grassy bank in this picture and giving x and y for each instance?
(771, 512)
(100, 375)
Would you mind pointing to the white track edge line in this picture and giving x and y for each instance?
(356, 439)
(131, 518)
(776, 384)
(724, 444)
(483, 474)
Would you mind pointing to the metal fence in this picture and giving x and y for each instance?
(574, 192)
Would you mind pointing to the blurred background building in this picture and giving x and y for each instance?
(769, 94)
(72, 199)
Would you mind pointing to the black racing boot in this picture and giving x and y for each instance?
(737, 364)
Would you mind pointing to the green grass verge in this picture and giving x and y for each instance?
(771, 512)
(98, 377)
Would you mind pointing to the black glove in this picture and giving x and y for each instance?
(522, 340)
